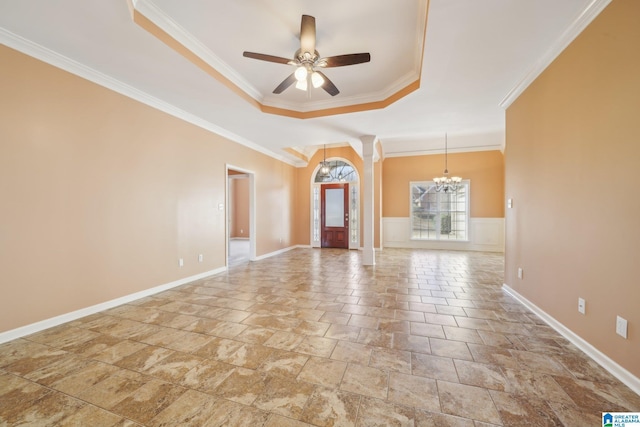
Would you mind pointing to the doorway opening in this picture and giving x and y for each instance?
(240, 224)
(335, 206)
(334, 214)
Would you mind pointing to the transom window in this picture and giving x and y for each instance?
(439, 215)
(339, 171)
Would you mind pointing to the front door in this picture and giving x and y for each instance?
(334, 232)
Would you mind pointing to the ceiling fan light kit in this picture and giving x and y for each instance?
(302, 85)
(301, 73)
(316, 79)
(307, 59)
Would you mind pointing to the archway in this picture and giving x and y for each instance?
(338, 171)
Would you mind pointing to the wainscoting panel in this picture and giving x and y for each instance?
(485, 234)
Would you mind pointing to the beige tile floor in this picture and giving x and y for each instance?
(310, 337)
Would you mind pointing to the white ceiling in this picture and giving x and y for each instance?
(476, 58)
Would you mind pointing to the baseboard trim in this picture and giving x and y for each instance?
(602, 359)
(278, 252)
(74, 315)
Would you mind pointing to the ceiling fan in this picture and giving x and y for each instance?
(307, 60)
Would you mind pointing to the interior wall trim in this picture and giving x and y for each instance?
(75, 315)
(433, 151)
(159, 24)
(69, 65)
(577, 26)
(278, 252)
(602, 359)
(485, 235)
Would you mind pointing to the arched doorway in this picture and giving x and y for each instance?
(335, 205)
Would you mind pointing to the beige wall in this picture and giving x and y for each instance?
(572, 164)
(485, 170)
(101, 195)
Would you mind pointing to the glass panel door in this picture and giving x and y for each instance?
(334, 207)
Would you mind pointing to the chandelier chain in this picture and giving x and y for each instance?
(446, 183)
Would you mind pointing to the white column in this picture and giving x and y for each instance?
(368, 150)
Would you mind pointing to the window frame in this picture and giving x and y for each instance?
(438, 238)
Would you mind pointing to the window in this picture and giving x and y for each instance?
(439, 215)
(339, 171)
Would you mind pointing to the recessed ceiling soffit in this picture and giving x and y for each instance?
(393, 73)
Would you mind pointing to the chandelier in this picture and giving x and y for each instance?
(324, 165)
(446, 183)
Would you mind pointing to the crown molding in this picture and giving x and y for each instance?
(51, 57)
(167, 24)
(347, 102)
(158, 23)
(576, 27)
(427, 152)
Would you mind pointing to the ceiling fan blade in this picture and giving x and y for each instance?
(268, 58)
(308, 34)
(350, 59)
(328, 85)
(285, 84)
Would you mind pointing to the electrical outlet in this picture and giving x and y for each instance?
(621, 327)
(582, 305)
(181, 262)
(200, 258)
(520, 273)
